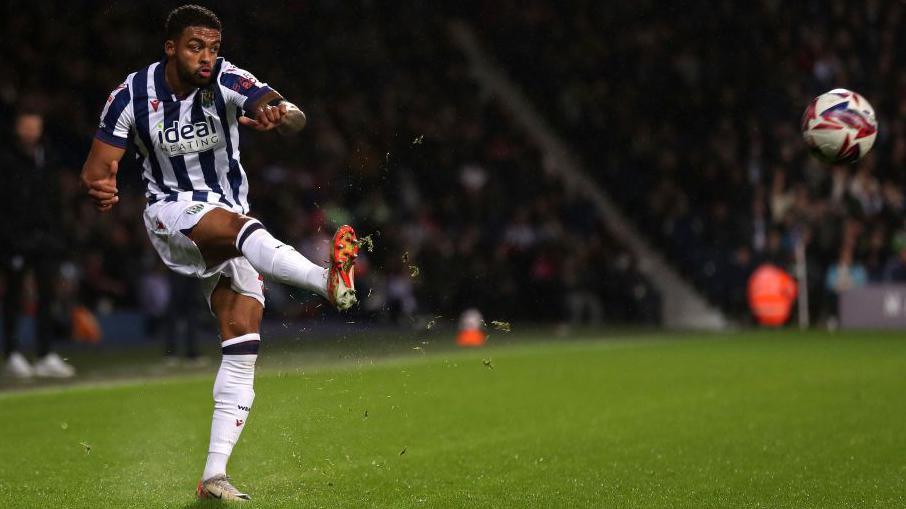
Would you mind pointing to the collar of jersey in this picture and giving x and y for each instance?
(160, 83)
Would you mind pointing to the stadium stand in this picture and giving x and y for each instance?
(690, 114)
(400, 143)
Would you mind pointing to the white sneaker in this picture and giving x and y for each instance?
(219, 487)
(17, 366)
(52, 366)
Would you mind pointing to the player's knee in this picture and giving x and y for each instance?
(237, 314)
(235, 326)
(236, 224)
(238, 220)
(218, 226)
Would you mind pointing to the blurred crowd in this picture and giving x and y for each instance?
(401, 143)
(688, 113)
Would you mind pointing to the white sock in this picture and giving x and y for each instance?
(280, 261)
(233, 397)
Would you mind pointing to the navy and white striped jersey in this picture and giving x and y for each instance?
(188, 148)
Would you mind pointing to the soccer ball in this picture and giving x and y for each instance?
(839, 126)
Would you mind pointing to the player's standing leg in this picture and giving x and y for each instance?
(239, 318)
(220, 236)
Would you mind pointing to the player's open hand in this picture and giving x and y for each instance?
(267, 117)
(103, 191)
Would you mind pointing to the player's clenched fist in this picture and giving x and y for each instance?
(266, 118)
(103, 191)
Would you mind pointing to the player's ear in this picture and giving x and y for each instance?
(170, 48)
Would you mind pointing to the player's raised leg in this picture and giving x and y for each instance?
(222, 234)
(239, 318)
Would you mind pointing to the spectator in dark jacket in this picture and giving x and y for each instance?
(31, 239)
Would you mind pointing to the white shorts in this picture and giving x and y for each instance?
(168, 224)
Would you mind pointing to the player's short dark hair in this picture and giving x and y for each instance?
(190, 15)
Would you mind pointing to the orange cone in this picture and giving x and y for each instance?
(771, 295)
(85, 327)
(471, 333)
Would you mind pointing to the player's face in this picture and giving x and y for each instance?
(195, 53)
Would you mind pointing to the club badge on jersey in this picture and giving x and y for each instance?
(207, 97)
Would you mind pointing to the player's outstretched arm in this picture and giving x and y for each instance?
(99, 174)
(273, 111)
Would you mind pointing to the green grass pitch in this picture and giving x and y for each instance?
(744, 420)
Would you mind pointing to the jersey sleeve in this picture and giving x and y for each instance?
(117, 117)
(240, 87)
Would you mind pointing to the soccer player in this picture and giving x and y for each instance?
(182, 115)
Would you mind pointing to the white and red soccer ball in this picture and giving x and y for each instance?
(839, 126)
